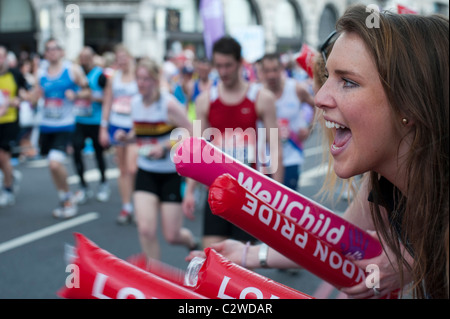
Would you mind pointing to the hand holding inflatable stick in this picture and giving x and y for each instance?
(239, 206)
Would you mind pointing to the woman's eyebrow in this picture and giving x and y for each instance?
(346, 73)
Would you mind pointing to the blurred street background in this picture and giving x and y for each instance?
(32, 264)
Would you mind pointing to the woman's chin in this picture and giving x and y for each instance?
(342, 172)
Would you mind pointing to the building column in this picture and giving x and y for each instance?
(153, 33)
(132, 35)
(48, 15)
(267, 8)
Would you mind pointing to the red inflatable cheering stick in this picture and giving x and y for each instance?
(216, 277)
(158, 268)
(233, 202)
(99, 275)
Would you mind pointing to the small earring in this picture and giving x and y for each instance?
(405, 121)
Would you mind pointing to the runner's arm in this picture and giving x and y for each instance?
(201, 109)
(81, 80)
(4, 103)
(106, 110)
(265, 105)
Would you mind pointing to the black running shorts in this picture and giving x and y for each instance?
(217, 226)
(8, 136)
(55, 141)
(167, 186)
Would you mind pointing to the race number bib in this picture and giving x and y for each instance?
(5, 95)
(82, 107)
(122, 105)
(145, 145)
(239, 145)
(283, 125)
(53, 108)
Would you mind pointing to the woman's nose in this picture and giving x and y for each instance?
(323, 98)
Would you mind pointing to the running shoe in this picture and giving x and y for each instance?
(67, 210)
(82, 195)
(103, 192)
(125, 217)
(17, 178)
(7, 199)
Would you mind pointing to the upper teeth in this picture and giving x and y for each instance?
(329, 124)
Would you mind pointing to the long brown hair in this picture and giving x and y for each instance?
(411, 53)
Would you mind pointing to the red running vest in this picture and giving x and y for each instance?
(235, 117)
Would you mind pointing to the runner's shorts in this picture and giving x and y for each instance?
(214, 225)
(112, 129)
(167, 186)
(55, 141)
(8, 136)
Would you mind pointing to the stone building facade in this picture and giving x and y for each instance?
(154, 27)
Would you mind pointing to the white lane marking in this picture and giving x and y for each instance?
(48, 231)
(313, 151)
(308, 177)
(93, 175)
(38, 163)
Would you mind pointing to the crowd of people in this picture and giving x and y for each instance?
(384, 112)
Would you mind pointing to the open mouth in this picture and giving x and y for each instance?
(342, 135)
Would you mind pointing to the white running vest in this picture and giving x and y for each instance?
(121, 106)
(289, 113)
(151, 126)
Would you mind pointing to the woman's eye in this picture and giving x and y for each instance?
(349, 84)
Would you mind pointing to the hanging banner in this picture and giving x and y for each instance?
(251, 39)
(212, 15)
